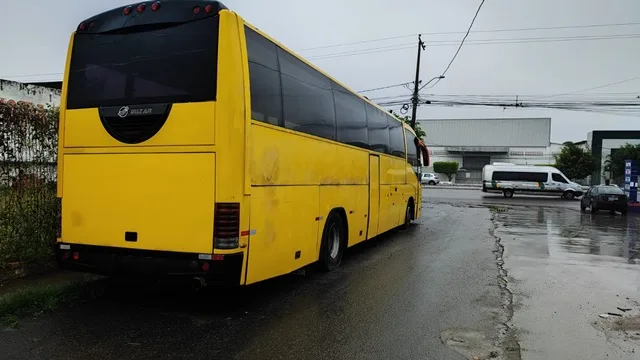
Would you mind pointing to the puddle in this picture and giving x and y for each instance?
(557, 232)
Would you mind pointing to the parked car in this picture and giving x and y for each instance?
(527, 179)
(605, 197)
(430, 178)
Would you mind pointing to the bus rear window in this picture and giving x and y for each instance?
(167, 63)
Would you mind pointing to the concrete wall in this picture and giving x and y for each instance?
(14, 91)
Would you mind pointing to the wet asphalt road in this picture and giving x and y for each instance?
(477, 274)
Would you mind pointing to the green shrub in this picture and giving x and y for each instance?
(28, 225)
(449, 168)
(29, 209)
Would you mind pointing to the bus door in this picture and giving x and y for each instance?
(374, 195)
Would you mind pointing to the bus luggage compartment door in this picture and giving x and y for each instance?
(142, 201)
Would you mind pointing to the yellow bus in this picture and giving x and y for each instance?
(193, 144)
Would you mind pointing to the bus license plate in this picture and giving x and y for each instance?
(613, 198)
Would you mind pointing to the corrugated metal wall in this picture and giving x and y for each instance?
(517, 132)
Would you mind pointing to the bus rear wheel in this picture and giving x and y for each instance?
(334, 239)
(508, 193)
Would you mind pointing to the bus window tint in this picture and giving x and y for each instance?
(378, 129)
(396, 137)
(266, 93)
(307, 98)
(113, 69)
(412, 148)
(351, 118)
(520, 176)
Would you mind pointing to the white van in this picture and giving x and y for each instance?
(532, 180)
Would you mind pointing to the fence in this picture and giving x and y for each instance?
(29, 209)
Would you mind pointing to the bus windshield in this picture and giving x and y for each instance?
(159, 63)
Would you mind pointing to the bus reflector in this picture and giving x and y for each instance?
(208, 8)
(82, 26)
(155, 6)
(76, 255)
(196, 10)
(226, 226)
(140, 8)
(127, 10)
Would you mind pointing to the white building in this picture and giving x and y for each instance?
(474, 143)
(13, 91)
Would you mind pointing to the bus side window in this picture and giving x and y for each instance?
(412, 148)
(307, 98)
(396, 137)
(264, 77)
(351, 118)
(378, 129)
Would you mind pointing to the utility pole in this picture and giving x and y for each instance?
(414, 99)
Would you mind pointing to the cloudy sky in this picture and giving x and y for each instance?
(570, 51)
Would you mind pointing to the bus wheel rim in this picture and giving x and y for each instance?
(334, 240)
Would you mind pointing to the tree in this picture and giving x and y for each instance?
(575, 161)
(406, 119)
(448, 168)
(614, 165)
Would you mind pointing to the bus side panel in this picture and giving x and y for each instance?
(354, 200)
(392, 171)
(282, 157)
(285, 225)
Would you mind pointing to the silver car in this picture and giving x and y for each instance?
(430, 178)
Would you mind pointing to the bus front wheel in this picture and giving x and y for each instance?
(333, 242)
(508, 193)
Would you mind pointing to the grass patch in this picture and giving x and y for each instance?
(45, 298)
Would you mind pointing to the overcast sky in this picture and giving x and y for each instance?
(36, 34)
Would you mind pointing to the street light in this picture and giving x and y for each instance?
(429, 82)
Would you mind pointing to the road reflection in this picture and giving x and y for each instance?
(558, 232)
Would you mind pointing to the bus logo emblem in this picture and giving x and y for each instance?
(123, 112)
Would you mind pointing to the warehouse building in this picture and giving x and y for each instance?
(474, 143)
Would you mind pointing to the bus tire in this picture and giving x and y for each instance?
(334, 239)
(408, 215)
(508, 193)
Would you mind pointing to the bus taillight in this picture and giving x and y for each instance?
(196, 10)
(140, 8)
(155, 6)
(208, 8)
(127, 10)
(226, 225)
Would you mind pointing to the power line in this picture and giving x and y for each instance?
(384, 87)
(475, 31)
(405, 46)
(592, 88)
(459, 47)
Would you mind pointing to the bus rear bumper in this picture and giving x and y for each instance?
(113, 261)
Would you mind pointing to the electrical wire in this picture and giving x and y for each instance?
(384, 87)
(461, 43)
(474, 31)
